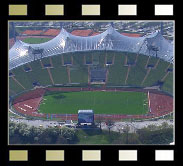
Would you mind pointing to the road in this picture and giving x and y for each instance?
(118, 126)
(133, 126)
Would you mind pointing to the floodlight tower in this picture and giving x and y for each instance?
(153, 48)
(156, 49)
(149, 47)
(61, 25)
(36, 51)
(13, 27)
(162, 28)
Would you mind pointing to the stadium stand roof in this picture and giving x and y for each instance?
(132, 34)
(32, 32)
(82, 32)
(22, 53)
(51, 32)
(95, 33)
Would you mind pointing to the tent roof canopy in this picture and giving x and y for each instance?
(22, 53)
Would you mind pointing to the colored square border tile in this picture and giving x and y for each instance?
(164, 155)
(90, 10)
(55, 155)
(127, 10)
(91, 155)
(56, 10)
(127, 155)
(18, 155)
(17, 10)
(162, 10)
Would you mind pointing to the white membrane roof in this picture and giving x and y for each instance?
(22, 53)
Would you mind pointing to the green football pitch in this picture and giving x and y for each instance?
(102, 102)
(36, 40)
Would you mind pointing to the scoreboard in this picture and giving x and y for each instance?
(85, 117)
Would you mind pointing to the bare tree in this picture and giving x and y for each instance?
(109, 124)
(99, 120)
(126, 130)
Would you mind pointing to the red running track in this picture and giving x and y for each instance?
(28, 104)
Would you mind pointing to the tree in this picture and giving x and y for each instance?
(126, 130)
(61, 140)
(133, 139)
(161, 135)
(152, 127)
(99, 120)
(12, 129)
(68, 134)
(165, 125)
(109, 124)
(35, 134)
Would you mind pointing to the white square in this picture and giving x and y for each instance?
(127, 155)
(163, 10)
(164, 155)
(127, 9)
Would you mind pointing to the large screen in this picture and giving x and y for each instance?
(85, 118)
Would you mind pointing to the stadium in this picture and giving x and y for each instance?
(117, 76)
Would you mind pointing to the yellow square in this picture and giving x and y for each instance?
(91, 155)
(90, 9)
(54, 9)
(54, 155)
(15, 10)
(18, 155)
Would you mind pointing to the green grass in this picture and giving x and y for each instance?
(79, 74)
(78, 59)
(39, 74)
(27, 78)
(135, 79)
(88, 57)
(45, 60)
(59, 72)
(131, 57)
(36, 40)
(22, 77)
(101, 60)
(168, 84)
(156, 74)
(100, 102)
(79, 71)
(152, 61)
(14, 86)
(96, 137)
(117, 72)
(67, 58)
(110, 56)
